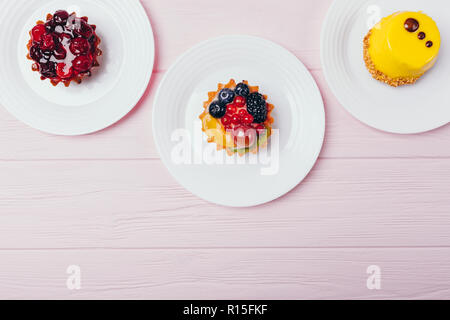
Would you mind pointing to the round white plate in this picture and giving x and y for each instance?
(408, 109)
(100, 101)
(299, 116)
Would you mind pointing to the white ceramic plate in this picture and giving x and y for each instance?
(408, 109)
(299, 116)
(113, 90)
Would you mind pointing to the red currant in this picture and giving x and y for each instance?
(226, 120)
(247, 119)
(239, 101)
(37, 32)
(260, 127)
(242, 112)
(235, 119)
(231, 109)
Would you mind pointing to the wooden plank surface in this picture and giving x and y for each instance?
(343, 202)
(227, 274)
(106, 202)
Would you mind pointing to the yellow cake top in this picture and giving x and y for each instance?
(405, 44)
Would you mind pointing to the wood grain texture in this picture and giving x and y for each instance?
(342, 203)
(105, 201)
(227, 274)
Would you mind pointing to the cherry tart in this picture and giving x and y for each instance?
(65, 48)
(237, 118)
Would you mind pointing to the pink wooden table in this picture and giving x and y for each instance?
(105, 203)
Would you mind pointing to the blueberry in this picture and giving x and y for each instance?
(242, 90)
(217, 110)
(226, 96)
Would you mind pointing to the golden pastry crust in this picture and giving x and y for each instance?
(225, 140)
(380, 76)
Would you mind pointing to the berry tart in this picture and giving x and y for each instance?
(65, 48)
(237, 118)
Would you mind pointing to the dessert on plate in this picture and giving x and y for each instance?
(402, 47)
(237, 118)
(65, 48)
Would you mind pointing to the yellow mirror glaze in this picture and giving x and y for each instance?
(215, 131)
(398, 56)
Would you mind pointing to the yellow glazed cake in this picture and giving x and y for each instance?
(402, 47)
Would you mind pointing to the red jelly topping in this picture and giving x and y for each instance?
(64, 48)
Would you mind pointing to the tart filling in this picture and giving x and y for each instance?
(237, 118)
(401, 48)
(65, 48)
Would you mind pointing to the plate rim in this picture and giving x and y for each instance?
(288, 188)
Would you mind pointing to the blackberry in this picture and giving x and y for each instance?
(260, 117)
(255, 98)
(257, 107)
(217, 110)
(242, 90)
(226, 96)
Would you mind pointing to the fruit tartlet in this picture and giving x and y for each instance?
(237, 118)
(65, 48)
(402, 47)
